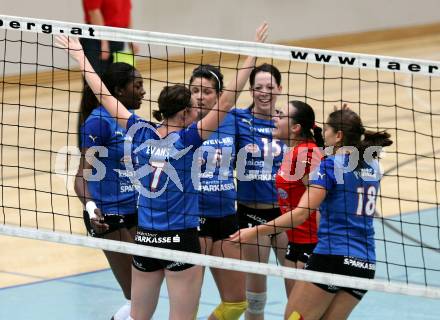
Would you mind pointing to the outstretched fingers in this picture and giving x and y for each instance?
(70, 44)
(62, 42)
(244, 236)
(235, 237)
(344, 106)
(262, 32)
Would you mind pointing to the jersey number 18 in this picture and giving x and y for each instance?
(369, 207)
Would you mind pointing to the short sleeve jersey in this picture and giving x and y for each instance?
(262, 158)
(110, 185)
(346, 225)
(297, 163)
(116, 13)
(217, 159)
(168, 199)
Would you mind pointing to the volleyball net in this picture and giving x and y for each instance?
(41, 91)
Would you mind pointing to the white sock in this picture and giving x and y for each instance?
(124, 312)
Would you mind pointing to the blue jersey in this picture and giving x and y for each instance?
(346, 225)
(114, 193)
(168, 199)
(262, 158)
(217, 157)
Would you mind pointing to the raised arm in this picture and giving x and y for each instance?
(113, 106)
(232, 91)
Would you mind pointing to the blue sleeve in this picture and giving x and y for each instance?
(238, 116)
(228, 119)
(232, 113)
(134, 119)
(95, 132)
(137, 135)
(228, 126)
(324, 175)
(190, 136)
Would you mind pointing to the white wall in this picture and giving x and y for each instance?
(237, 19)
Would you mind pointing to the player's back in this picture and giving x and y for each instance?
(168, 199)
(346, 225)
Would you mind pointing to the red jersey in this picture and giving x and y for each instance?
(116, 13)
(290, 187)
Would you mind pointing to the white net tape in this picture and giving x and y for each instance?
(224, 263)
(336, 58)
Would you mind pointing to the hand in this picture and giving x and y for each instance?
(70, 45)
(105, 50)
(245, 236)
(261, 32)
(98, 223)
(135, 48)
(343, 107)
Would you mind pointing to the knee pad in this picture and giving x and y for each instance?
(295, 315)
(256, 302)
(230, 310)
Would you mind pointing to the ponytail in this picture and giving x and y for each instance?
(350, 124)
(317, 136)
(157, 115)
(305, 116)
(87, 105)
(373, 139)
(172, 99)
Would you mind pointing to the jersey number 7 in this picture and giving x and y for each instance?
(157, 169)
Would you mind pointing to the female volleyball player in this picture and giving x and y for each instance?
(296, 128)
(167, 218)
(108, 193)
(347, 201)
(217, 192)
(258, 160)
(218, 217)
